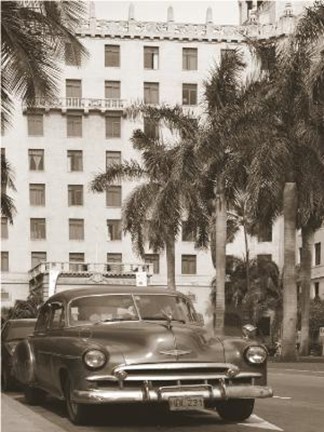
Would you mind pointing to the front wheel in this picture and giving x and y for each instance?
(76, 412)
(235, 409)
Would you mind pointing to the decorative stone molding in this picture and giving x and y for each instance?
(181, 31)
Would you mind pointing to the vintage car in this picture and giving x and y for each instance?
(12, 332)
(125, 344)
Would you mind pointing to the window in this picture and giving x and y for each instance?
(316, 290)
(189, 264)
(78, 259)
(38, 229)
(75, 195)
(267, 57)
(113, 126)
(57, 319)
(155, 260)
(264, 234)
(114, 258)
(187, 233)
(317, 253)
(113, 157)
(37, 194)
(76, 229)
(114, 229)
(151, 93)
(35, 124)
(114, 261)
(263, 259)
(73, 88)
(37, 258)
(4, 261)
(113, 196)
(229, 263)
(112, 55)
(36, 160)
(43, 319)
(151, 128)
(74, 125)
(226, 52)
(75, 161)
(151, 57)
(189, 94)
(112, 89)
(4, 228)
(189, 58)
(72, 55)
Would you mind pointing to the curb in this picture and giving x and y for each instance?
(17, 417)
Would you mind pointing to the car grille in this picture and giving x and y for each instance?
(174, 374)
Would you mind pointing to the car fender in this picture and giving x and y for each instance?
(24, 362)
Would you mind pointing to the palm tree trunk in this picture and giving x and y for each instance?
(289, 278)
(247, 254)
(305, 274)
(170, 257)
(220, 259)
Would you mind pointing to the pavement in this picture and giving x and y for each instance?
(17, 417)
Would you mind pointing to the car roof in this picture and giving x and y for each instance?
(72, 293)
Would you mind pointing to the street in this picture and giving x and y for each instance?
(298, 405)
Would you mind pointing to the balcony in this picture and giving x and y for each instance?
(84, 105)
(81, 269)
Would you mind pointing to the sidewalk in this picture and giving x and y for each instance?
(15, 417)
(313, 363)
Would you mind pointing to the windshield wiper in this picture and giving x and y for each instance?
(162, 318)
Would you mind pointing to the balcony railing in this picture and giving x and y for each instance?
(75, 103)
(84, 269)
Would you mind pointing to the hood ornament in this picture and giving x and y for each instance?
(175, 352)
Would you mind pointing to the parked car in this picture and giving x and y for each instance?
(12, 332)
(120, 344)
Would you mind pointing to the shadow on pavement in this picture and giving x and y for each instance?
(128, 415)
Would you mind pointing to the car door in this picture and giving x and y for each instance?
(41, 343)
(55, 333)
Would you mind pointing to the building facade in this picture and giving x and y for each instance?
(58, 147)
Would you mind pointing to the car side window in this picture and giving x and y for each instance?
(43, 319)
(57, 316)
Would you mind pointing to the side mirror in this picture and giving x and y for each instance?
(249, 331)
(200, 319)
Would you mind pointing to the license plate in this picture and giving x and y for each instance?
(186, 403)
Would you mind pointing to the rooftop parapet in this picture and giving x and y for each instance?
(183, 31)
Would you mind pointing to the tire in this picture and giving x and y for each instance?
(76, 411)
(235, 409)
(6, 380)
(34, 396)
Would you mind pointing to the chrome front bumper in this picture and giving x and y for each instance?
(162, 394)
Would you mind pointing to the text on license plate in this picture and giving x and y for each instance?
(186, 403)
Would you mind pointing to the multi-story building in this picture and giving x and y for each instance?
(58, 147)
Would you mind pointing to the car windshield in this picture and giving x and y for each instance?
(102, 308)
(165, 307)
(20, 330)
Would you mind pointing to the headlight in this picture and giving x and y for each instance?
(256, 354)
(94, 359)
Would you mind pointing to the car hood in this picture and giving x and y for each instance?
(149, 341)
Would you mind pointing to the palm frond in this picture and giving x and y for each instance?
(130, 170)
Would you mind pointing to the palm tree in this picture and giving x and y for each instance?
(8, 208)
(233, 119)
(33, 41)
(295, 166)
(33, 38)
(309, 37)
(168, 172)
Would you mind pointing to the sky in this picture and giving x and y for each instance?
(224, 12)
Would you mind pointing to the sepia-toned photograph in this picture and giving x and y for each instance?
(162, 216)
